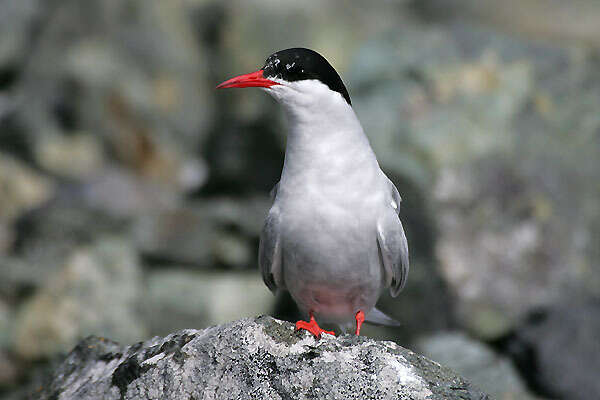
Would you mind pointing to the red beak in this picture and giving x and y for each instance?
(253, 79)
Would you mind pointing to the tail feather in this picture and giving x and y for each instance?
(378, 318)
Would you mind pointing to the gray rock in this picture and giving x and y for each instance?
(21, 188)
(118, 79)
(77, 156)
(535, 18)
(558, 349)
(19, 276)
(477, 362)
(8, 370)
(97, 290)
(178, 298)
(180, 235)
(480, 127)
(120, 193)
(6, 238)
(16, 22)
(205, 233)
(260, 358)
(303, 24)
(55, 230)
(511, 218)
(5, 325)
(510, 244)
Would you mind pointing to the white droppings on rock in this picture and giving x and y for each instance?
(390, 345)
(155, 359)
(397, 370)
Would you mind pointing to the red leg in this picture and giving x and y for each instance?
(312, 327)
(360, 318)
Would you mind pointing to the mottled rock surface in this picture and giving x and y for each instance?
(260, 358)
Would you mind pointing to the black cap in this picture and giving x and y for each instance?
(298, 64)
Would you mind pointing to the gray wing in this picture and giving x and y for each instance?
(269, 249)
(392, 244)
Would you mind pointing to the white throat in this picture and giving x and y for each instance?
(326, 143)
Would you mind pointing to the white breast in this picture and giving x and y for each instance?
(329, 197)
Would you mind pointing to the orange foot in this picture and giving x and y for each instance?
(312, 327)
(360, 318)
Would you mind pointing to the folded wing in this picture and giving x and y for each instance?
(269, 249)
(393, 246)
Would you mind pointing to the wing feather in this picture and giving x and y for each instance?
(269, 249)
(393, 245)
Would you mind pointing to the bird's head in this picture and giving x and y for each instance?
(298, 78)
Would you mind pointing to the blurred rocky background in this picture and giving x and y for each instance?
(132, 193)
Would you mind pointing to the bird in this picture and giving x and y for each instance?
(333, 236)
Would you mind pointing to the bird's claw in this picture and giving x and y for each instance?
(312, 327)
